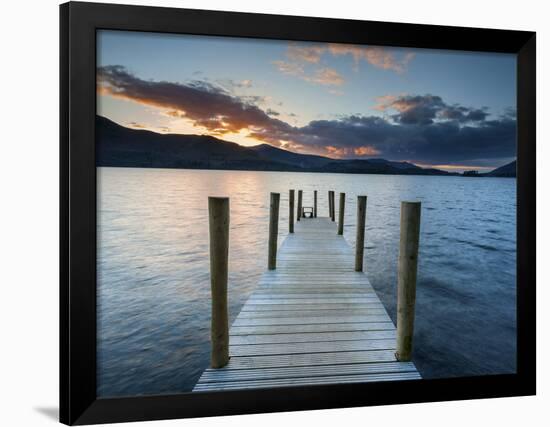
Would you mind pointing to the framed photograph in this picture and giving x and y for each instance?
(267, 213)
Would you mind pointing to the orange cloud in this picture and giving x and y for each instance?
(384, 102)
(300, 56)
(374, 55)
(366, 151)
(136, 125)
(305, 53)
(322, 76)
(174, 114)
(337, 152)
(343, 152)
(327, 76)
(290, 68)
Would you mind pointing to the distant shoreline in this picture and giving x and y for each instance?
(451, 175)
(119, 146)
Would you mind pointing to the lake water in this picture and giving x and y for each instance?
(153, 267)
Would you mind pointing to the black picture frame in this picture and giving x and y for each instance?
(78, 25)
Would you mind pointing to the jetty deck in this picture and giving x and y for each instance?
(313, 320)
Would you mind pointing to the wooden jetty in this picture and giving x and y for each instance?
(312, 320)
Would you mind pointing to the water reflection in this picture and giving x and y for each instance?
(153, 280)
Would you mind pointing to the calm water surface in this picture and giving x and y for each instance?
(153, 270)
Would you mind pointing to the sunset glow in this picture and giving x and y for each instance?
(340, 101)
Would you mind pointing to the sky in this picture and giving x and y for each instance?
(446, 109)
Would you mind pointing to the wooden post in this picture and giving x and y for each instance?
(291, 211)
(315, 204)
(406, 278)
(218, 210)
(299, 213)
(329, 206)
(273, 230)
(360, 235)
(341, 213)
(332, 207)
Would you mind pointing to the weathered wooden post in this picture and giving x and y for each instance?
(360, 235)
(333, 208)
(329, 206)
(299, 213)
(291, 211)
(314, 203)
(218, 210)
(273, 230)
(406, 278)
(341, 213)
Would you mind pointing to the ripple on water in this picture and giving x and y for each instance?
(153, 266)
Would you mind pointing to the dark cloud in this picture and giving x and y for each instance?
(476, 116)
(424, 128)
(417, 109)
(439, 142)
(205, 104)
(509, 113)
(463, 114)
(425, 109)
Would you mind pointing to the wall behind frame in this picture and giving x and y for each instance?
(29, 212)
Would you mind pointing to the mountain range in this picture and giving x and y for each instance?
(125, 147)
(506, 171)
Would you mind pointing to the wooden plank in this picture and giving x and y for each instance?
(299, 307)
(313, 313)
(310, 359)
(219, 375)
(310, 296)
(311, 285)
(310, 320)
(297, 279)
(344, 379)
(318, 284)
(311, 301)
(324, 327)
(307, 281)
(313, 347)
(311, 337)
(310, 279)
